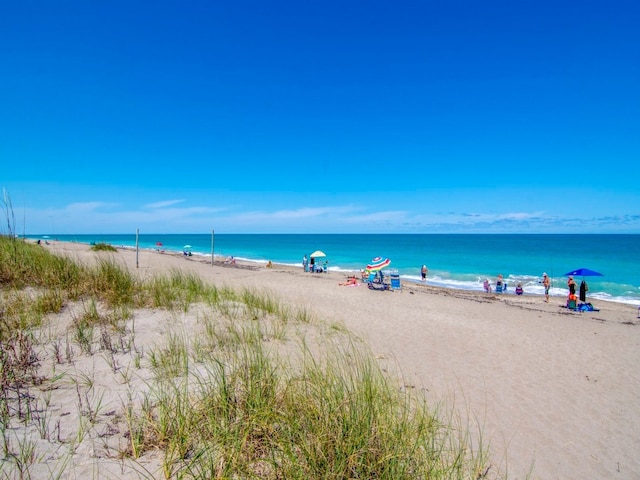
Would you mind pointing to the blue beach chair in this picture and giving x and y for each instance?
(395, 281)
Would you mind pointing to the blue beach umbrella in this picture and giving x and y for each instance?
(583, 272)
(378, 263)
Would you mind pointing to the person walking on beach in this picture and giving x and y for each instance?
(423, 272)
(547, 285)
(305, 263)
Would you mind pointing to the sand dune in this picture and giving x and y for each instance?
(554, 393)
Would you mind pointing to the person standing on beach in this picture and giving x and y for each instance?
(547, 285)
(572, 286)
(423, 272)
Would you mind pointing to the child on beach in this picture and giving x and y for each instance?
(423, 272)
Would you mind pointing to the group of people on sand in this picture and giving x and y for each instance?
(501, 286)
(313, 266)
(571, 285)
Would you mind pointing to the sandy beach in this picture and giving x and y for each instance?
(553, 392)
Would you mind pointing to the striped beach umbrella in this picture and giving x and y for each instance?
(378, 263)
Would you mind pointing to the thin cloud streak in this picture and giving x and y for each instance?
(97, 217)
(164, 204)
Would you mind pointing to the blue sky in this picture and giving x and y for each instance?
(321, 117)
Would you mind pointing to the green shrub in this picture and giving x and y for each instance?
(103, 247)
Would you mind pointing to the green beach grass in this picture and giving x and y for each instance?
(261, 390)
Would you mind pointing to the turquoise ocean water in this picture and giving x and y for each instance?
(454, 261)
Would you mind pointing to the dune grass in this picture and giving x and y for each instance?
(246, 397)
(103, 247)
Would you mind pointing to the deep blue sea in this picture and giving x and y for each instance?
(454, 261)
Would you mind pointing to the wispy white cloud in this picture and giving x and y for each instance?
(171, 217)
(87, 207)
(282, 216)
(163, 204)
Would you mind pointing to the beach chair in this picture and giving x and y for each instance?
(395, 281)
(375, 281)
(572, 303)
(498, 287)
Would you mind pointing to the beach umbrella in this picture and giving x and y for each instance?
(583, 272)
(317, 253)
(187, 247)
(378, 263)
(45, 236)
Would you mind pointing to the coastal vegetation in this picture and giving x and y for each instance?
(103, 247)
(240, 384)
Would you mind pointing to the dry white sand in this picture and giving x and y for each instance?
(554, 393)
